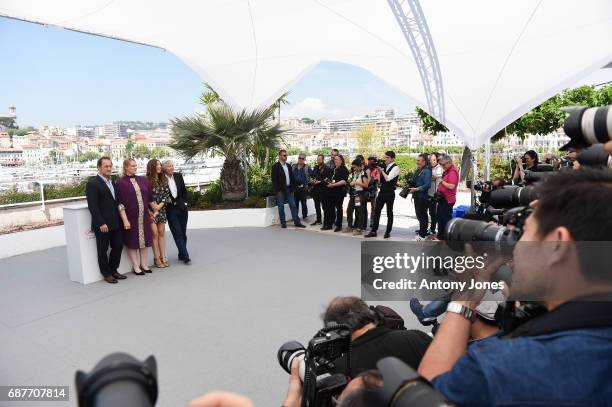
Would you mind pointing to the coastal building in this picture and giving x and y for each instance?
(11, 157)
(115, 130)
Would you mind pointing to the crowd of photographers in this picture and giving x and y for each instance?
(556, 351)
(370, 186)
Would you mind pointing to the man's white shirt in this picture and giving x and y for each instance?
(286, 169)
(172, 186)
(394, 172)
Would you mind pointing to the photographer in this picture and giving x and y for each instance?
(530, 161)
(561, 357)
(436, 178)
(447, 193)
(386, 195)
(358, 184)
(421, 181)
(371, 342)
(374, 179)
(332, 158)
(301, 173)
(318, 175)
(334, 195)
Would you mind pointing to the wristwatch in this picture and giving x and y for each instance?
(462, 310)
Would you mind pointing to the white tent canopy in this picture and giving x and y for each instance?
(483, 63)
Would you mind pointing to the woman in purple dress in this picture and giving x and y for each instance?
(136, 207)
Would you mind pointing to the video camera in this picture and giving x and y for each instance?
(377, 163)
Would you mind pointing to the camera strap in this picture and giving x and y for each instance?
(585, 312)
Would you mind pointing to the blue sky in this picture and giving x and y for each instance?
(59, 77)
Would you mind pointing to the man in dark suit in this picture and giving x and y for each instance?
(284, 186)
(176, 210)
(105, 224)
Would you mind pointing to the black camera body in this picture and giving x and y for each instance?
(321, 383)
(406, 190)
(328, 347)
(379, 163)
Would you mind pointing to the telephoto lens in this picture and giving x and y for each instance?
(501, 239)
(511, 196)
(587, 125)
(118, 380)
(533, 177)
(403, 387)
(595, 156)
(290, 351)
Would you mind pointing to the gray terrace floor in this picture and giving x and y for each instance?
(215, 324)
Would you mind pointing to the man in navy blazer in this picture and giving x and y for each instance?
(105, 223)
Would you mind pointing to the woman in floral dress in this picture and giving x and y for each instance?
(161, 194)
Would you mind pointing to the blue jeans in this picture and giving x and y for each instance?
(428, 312)
(445, 214)
(433, 209)
(281, 200)
(177, 221)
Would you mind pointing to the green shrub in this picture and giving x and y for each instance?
(260, 182)
(407, 166)
(255, 202)
(213, 192)
(51, 192)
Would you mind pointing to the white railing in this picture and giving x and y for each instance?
(42, 202)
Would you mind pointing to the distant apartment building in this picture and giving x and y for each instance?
(11, 157)
(80, 131)
(396, 130)
(537, 142)
(152, 142)
(50, 131)
(32, 154)
(5, 140)
(118, 147)
(446, 140)
(114, 130)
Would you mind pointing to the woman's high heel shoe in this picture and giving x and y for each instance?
(159, 263)
(165, 261)
(142, 273)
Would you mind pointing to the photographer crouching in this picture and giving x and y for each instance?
(371, 340)
(354, 338)
(562, 356)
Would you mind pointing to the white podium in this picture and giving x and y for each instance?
(81, 246)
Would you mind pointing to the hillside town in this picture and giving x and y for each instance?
(48, 145)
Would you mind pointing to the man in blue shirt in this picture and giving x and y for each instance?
(564, 356)
(301, 175)
(421, 181)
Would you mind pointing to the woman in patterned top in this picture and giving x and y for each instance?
(161, 195)
(135, 199)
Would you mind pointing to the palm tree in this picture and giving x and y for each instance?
(233, 135)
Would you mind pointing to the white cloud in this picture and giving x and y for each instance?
(310, 107)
